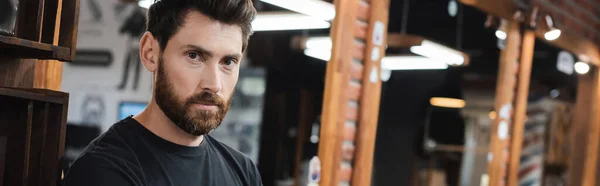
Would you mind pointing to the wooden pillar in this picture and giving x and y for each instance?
(371, 94)
(524, 77)
(584, 132)
(505, 89)
(352, 92)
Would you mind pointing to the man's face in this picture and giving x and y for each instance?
(197, 72)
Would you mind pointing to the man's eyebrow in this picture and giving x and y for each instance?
(199, 49)
(233, 56)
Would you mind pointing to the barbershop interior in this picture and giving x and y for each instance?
(329, 92)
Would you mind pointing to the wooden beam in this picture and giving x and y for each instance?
(503, 106)
(579, 128)
(335, 99)
(520, 113)
(371, 94)
(501, 8)
(572, 42)
(583, 131)
(583, 48)
(593, 136)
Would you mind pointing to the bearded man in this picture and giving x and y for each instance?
(194, 49)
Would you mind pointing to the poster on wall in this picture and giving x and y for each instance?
(106, 80)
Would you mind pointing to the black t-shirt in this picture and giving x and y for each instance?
(129, 154)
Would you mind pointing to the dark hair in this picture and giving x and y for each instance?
(165, 17)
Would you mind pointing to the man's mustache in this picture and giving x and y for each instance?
(206, 98)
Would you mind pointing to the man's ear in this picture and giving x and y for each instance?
(149, 52)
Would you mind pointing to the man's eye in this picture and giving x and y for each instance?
(193, 55)
(229, 62)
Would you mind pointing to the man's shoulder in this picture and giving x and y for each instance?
(108, 157)
(240, 159)
(224, 148)
(113, 145)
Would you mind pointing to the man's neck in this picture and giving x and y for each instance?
(155, 120)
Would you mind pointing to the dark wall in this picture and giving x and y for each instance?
(404, 100)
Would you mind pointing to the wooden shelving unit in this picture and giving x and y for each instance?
(22, 48)
(46, 29)
(33, 119)
(32, 136)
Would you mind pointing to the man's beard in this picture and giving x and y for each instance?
(181, 111)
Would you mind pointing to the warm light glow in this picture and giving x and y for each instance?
(447, 102)
(436, 51)
(493, 115)
(411, 63)
(316, 8)
(582, 68)
(145, 3)
(500, 34)
(287, 21)
(552, 34)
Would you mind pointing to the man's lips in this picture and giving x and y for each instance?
(206, 106)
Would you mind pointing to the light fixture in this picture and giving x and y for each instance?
(582, 68)
(440, 52)
(385, 74)
(554, 93)
(433, 55)
(389, 63)
(287, 21)
(447, 102)
(276, 21)
(411, 63)
(145, 3)
(318, 43)
(553, 32)
(322, 54)
(501, 34)
(317, 8)
(493, 115)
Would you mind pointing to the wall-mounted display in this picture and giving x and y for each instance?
(128, 108)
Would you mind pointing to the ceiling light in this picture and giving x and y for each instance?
(447, 102)
(433, 55)
(318, 43)
(553, 33)
(287, 21)
(385, 74)
(145, 3)
(411, 63)
(316, 8)
(322, 54)
(436, 51)
(582, 68)
(501, 34)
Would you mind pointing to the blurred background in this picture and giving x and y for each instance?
(276, 111)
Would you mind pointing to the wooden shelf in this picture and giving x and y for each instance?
(32, 136)
(22, 48)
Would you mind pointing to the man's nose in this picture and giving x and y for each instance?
(211, 80)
